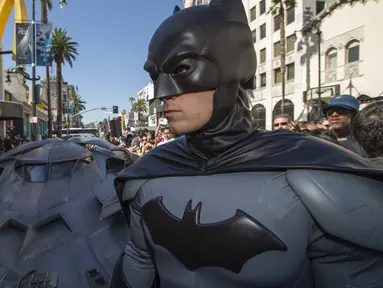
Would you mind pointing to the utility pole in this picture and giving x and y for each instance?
(36, 132)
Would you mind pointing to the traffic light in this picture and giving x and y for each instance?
(115, 109)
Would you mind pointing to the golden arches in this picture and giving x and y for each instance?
(21, 15)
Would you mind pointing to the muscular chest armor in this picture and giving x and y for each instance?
(233, 230)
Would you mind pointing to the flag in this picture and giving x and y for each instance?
(43, 44)
(23, 44)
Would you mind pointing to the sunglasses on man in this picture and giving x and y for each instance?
(338, 111)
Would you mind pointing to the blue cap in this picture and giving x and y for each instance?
(344, 101)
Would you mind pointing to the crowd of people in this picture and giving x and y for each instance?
(359, 131)
(343, 124)
(143, 140)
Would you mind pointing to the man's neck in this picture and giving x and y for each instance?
(342, 133)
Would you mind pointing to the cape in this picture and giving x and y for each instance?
(261, 151)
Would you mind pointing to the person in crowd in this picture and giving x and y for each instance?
(323, 134)
(368, 130)
(340, 114)
(281, 121)
(167, 136)
(305, 126)
(226, 205)
(322, 124)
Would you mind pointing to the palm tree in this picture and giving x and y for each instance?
(64, 50)
(131, 100)
(79, 105)
(140, 107)
(279, 8)
(45, 6)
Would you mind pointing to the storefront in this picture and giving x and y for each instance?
(13, 114)
(42, 118)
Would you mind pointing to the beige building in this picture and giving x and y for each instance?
(349, 50)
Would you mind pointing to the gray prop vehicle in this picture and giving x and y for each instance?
(60, 220)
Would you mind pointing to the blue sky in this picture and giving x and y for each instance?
(113, 41)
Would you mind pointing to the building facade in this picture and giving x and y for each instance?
(16, 90)
(349, 56)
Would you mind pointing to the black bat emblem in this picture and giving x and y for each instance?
(228, 244)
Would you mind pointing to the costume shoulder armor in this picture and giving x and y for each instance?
(126, 193)
(346, 206)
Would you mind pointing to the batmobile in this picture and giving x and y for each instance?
(60, 220)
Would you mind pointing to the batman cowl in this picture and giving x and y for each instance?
(204, 48)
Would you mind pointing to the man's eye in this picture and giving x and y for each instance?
(180, 70)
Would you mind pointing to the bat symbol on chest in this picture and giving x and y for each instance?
(228, 244)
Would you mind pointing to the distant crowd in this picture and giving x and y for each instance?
(359, 131)
(143, 140)
(343, 124)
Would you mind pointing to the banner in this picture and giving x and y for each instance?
(23, 44)
(43, 44)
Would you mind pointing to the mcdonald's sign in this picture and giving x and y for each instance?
(21, 16)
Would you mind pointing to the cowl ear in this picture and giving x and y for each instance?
(234, 9)
(176, 9)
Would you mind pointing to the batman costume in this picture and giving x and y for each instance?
(229, 206)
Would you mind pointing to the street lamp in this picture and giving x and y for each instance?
(36, 135)
(62, 4)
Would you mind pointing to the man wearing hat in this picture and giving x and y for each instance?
(340, 113)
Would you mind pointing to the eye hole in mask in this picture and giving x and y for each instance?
(182, 69)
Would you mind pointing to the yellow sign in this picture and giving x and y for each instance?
(21, 16)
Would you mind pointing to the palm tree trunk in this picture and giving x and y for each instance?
(283, 51)
(44, 19)
(59, 99)
(49, 101)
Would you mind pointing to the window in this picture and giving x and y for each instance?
(263, 56)
(262, 7)
(8, 96)
(254, 34)
(253, 14)
(255, 82)
(62, 169)
(320, 6)
(290, 71)
(263, 31)
(277, 76)
(35, 173)
(277, 49)
(331, 59)
(276, 23)
(290, 43)
(353, 52)
(114, 165)
(263, 80)
(290, 15)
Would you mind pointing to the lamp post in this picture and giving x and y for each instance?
(36, 134)
(316, 31)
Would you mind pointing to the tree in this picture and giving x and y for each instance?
(19, 70)
(140, 107)
(64, 50)
(46, 5)
(278, 9)
(132, 100)
(79, 105)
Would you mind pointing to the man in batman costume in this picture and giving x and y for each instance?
(228, 206)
